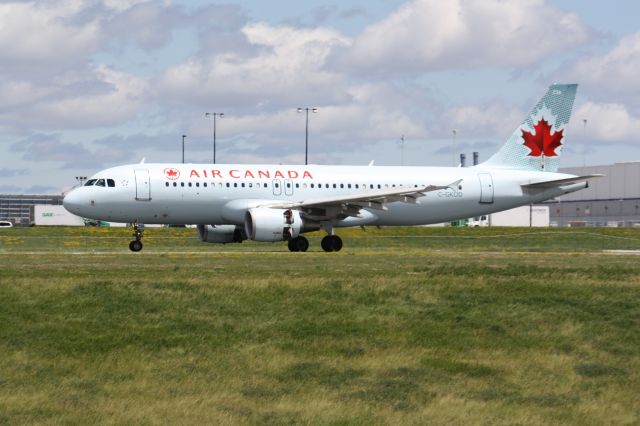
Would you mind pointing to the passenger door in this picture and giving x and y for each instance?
(143, 187)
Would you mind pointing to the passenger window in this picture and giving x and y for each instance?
(379, 186)
(204, 184)
(189, 184)
(90, 182)
(111, 183)
(198, 184)
(235, 184)
(312, 186)
(334, 185)
(342, 185)
(166, 184)
(250, 184)
(349, 185)
(100, 182)
(175, 184)
(265, 185)
(228, 184)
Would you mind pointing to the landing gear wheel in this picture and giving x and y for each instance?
(326, 244)
(135, 245)
(336, 243)
(298, 244)
(302, 243)
(331, 243)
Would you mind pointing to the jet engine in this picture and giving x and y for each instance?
(265, 224)
(221, 234)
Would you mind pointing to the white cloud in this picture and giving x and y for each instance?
(286, 64)
(615, 72)
(120, 102)
(429, 35)
(41, 34)
(606, 122)
(494, 119)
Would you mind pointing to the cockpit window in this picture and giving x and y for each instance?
(111, 183)
(90, 182)
(100, 182)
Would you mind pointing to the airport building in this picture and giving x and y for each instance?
(612, 200)
(18, 209)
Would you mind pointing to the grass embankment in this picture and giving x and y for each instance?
(431, 330)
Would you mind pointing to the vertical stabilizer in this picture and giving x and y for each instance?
(537, 143)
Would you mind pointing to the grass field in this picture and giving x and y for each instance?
(404, 326)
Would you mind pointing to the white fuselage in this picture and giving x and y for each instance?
(215, 194)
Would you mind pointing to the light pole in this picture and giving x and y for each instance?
(81, 179)
(214, 115)
(584, 138)
(453, 146)
(306, 133)
(183, 137)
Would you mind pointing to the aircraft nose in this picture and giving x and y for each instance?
(72, 202)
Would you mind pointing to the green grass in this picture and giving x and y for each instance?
(404, 326)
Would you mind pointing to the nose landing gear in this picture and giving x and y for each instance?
(136, 245)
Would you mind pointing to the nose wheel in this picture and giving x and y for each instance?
(136, 245)
(331, 243)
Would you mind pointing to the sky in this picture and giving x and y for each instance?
(86, 85)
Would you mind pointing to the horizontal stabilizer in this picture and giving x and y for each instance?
(559, 182)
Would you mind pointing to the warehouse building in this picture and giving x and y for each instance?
(612, 200)
(18, 209)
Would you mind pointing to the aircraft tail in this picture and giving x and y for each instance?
(537, 143)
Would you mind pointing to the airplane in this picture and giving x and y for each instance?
(233, 202)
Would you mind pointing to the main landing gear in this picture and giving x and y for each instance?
(298, 244)
(328, 243)
(331, 243)
(136, 245)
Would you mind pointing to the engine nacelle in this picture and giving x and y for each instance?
(220, 234)
(265, 224)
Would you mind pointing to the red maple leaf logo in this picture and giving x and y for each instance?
(171, 174)
(543, 142)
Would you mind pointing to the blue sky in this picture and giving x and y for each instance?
(86, 85)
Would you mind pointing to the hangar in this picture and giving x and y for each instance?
(612, 200)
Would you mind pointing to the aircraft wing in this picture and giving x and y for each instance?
(350, 205)
(558, 182)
